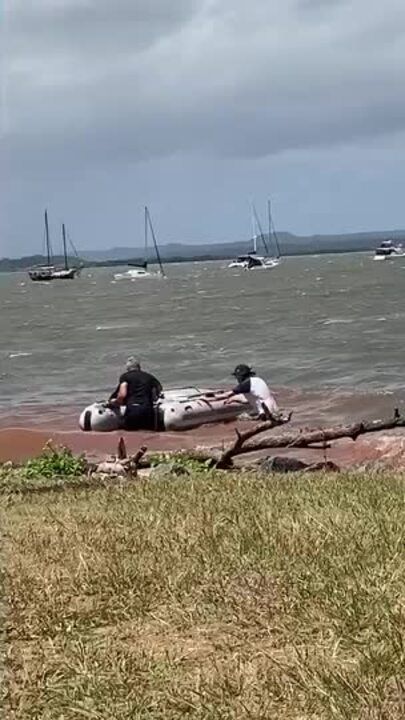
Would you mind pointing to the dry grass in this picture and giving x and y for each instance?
(218, 597)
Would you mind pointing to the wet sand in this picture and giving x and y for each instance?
(25, 433)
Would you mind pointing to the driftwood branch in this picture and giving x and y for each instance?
(244, 444)
(242, 437)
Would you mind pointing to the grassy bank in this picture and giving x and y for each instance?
(216, 597)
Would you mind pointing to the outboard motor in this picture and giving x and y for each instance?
(100, 417)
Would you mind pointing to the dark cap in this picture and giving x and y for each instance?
(243, 371)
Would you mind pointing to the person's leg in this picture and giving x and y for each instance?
(139, 417)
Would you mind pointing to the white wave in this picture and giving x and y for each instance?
(338, 321)
(20, 354)
(108, 328)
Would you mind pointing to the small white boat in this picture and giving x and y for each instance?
(176, 410)
(253, 261)
(138, 271)
(135, 274)
(390, 250)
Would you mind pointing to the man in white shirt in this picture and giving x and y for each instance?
(256, 392)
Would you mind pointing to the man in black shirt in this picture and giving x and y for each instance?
(138, 391)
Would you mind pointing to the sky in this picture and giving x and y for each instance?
(195, 108)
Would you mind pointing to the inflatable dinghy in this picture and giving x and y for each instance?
(181, 409)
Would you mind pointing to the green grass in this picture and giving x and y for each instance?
(216, 597)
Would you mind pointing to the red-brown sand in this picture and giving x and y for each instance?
(24, 434)
(19, 444)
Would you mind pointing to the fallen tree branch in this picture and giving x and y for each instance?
(222, 458)
(242, 437)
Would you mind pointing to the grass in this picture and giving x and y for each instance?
(211, 597)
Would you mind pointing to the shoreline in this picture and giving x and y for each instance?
(25, 430)
(385, 449)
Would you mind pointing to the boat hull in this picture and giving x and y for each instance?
(179, 410)
(135, 275)
(254, 263)
(45, 275)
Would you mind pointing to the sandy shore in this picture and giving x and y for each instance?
(22, 443)
(24, 432)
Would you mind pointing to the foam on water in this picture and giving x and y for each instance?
(338, 321)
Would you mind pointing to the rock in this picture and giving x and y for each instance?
(111, 468)
(279, 464)
(165, 470)
(326, 466)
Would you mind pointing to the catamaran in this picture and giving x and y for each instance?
(48, 272)
(252, 260)
(140, 270)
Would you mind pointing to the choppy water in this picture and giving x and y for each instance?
(313, 322)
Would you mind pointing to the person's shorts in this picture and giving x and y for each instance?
(139, 417)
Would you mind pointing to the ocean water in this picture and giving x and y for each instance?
(334, 323)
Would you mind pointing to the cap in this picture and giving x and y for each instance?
(242, 371)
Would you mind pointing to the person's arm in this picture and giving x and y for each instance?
(157, 386)
(243, 387)
(122, 394)
(240, 389)
(114, 394)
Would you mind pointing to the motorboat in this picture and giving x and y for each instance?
(176, 410)
(389, 249)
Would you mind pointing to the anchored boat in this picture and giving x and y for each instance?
(176, 410)
(45, 273)
(252, 260)
(140, 270)
(388, 249)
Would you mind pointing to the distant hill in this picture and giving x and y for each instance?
(14, 264)
(290, 245)
(177, 252)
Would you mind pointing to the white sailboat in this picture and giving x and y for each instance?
(140, 270)
(253, 261)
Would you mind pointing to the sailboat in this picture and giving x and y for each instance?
(140, 270)
(273, 236)
(65, 273)
(252, 260)
(48, 272)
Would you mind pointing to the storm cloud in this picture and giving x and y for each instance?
(98, 94)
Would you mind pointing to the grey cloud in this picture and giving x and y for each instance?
(85, 26)
(96, 86)
(166, 76)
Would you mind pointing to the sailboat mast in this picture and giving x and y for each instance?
(146, 237)
(261, 231)
(64, 246)
(149, 221)
(254, 234)
(48, 248)
(272, 232)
